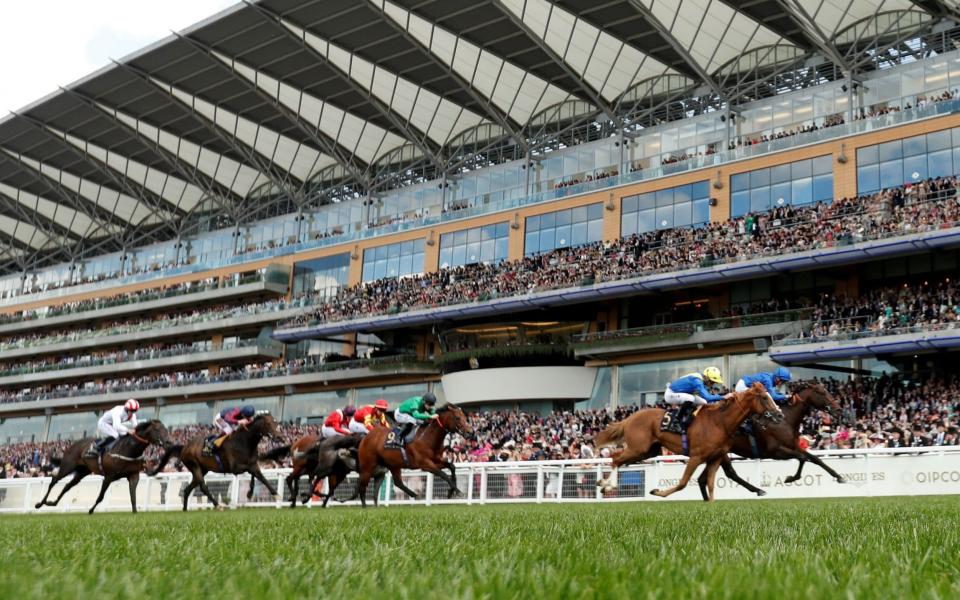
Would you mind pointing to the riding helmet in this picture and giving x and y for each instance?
(248, 412)
(381, 404)
(132, 405)
(349, 410)
(429, 398)
(782, 373)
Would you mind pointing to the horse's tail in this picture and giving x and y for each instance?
(276, 454)
(611, 435)
(171, 452)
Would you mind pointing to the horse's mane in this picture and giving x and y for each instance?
(142, 425)
(446, 407)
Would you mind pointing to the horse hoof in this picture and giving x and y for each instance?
(218, 508)
(841, 479)
(791, 479)
(761, 493)
(38, 505)
(654, 492)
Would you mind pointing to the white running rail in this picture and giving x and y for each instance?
(877, 472)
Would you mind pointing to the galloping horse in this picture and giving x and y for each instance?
(332, 458)
(780, 439)
(425, 452)
(710, 435)
(123, 460)
(238, 454)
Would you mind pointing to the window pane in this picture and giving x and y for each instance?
(801, 168)
(501, 249)
(868, 179)
(915, 145)
(647, 201)
(595, 211)
(759, 178)
(628, 225)
(665, 217)
(760, 199)
(867, 156)
(739, 204)
(460, 255)
(701, 212)
(578, 232)
(822, 165)
(889, 151)
(579, 214)
(681, 194)
(629, 205)
(646, 220)
(563, 236)
(548, 221)
(938, 164)
(563, 217)
(802, 192)
(701, 189)
(915, 168)
(533, 223)
(823, 188)
(682, 214)
(446, 254)
(938, 140)
(780, 173)
(781, 194)
(532, 242)
(891, 174)
(595, 231)
(739, 182)
(664, 198)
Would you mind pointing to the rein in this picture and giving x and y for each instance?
(144, 441)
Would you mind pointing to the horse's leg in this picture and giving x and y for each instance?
(398, 481)
(692, 465)
(333, 481)
(628, 456)
(453, 475)
(258, 475)
(187, 490)
(132, 481)
(103, 492)
(731, 475)
(377, 482)
(198, 480)
(796, 476)
(77, 476)
(711, 471)
(816, 460)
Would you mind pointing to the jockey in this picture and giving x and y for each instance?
(337, 422)
(415, 411)
(229, 419)
(770, 382)
(690, 390)
(368, 417)
(119, 420)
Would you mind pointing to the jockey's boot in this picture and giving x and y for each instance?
(102, 444)
(685, 415)
(406, 434)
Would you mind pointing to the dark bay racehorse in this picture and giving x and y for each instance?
(425, 452)
(332, 458)
(123, 460)
(710, 435)
(237, 454)
(781, 440)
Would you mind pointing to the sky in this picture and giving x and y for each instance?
(45, 44)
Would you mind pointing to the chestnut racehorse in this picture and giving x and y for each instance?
(781, 440)
(425, 452)
(123, 460)
(710, 436)
(237, 454)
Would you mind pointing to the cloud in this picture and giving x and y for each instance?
(46, 44)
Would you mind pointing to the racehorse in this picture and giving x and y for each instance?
(425, 452)
(237, 454)
(710, 436)
(332, 458)
(123, 460)
(780, 440)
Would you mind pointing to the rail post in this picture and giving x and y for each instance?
(428, 492)
(539, 484)
(483, 486)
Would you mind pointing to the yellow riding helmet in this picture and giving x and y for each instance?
(712, 374)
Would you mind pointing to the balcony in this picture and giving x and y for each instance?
(163, 361)
(708, 332)
(122, 307)
(240, 383)
(862, 344)
(136, 335)
(718, 272)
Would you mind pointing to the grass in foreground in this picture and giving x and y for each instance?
(867, 548)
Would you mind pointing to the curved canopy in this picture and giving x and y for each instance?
(268, 94)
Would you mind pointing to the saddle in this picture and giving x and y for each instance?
(93, 452)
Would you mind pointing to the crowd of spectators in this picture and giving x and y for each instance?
(153, 322)
(924, 305)
(784, 229)
(595, 176)
(828, 121)
(882, 412)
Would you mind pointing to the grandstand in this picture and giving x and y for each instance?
(532, 205)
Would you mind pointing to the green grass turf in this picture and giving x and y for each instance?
(869, 548)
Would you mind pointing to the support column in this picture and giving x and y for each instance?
(611, 217)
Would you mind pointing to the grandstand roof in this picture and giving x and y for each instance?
(267, 95)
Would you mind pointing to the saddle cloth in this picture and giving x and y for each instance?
(394, 439)
(208, 448)
(669, 423)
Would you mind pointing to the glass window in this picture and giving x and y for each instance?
(393, 260)
(571, 227)
(868, 179)
(301, 407)
(676, 207)
(323, 276)
(478, 244)
(800, 182)
(867, 156)
(75, 426)
(18, 430)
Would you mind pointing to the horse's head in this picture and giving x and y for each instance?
(264, 424)
(453, 419)
(817, 396)
(154, 432)
(761, 403)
